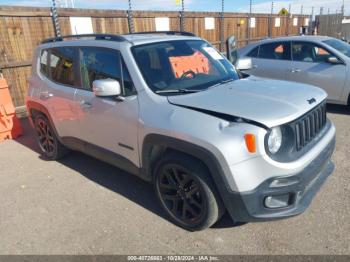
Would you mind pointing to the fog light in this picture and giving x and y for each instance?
(277, 201)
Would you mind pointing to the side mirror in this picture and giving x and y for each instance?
(244, 64)
(334, 60)
(106, 87)
(231, 49)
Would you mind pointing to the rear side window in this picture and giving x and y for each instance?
(62, 64)
(44, 69)
(254, 52)
(277, 51)
(103, 63)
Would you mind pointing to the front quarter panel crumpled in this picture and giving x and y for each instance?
(222, 138)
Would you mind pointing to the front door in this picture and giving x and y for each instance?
(108, 123)
(310, 66)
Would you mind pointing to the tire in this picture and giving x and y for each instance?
(47, 140)
(186, 192)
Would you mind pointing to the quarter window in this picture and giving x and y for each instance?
(277, 51)
(43, 62)
(102, 63)
(309, 52)
(254, 52)
(62, 65)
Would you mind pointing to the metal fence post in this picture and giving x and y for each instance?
(130, 19)
(270, 20)
(56, 24)
(311, 21)
(289, 15)
(182, 16)
(249, 21)
(222, 27)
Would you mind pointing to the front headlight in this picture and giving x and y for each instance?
(274, 141)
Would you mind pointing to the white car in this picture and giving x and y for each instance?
(317, 60)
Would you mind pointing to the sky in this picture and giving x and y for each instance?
(259, 6)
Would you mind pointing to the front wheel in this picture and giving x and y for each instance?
(186, 192)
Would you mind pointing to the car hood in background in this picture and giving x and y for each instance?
(268, 102)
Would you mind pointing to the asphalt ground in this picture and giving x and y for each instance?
(80, 205)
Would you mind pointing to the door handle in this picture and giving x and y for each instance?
(296, 70)
(45, 95)
(84, 104)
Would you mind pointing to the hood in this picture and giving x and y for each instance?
(265, 101)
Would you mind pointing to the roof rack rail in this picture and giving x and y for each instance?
(109, 37)
(184, 33)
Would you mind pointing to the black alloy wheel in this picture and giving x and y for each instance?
(186, 192)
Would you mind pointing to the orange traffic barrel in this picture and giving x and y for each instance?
(10, 127)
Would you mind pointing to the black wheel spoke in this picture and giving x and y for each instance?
(175, 206)
(196, 203)
(167, 186)
(191, 210)
(170, 178)
(177, 176)
(170, 197)
(193, 190)
(183, 214)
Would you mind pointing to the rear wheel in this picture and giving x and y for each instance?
(186, 192)
(47, 140)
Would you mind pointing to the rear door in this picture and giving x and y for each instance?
(60, 85)
(271, 60)
(110, 124)
(310, 66)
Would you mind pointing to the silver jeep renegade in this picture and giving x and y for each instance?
(168, 107)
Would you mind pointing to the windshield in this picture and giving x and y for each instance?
(341, 46)
(182, 65)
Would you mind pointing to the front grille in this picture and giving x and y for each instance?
(308, 126)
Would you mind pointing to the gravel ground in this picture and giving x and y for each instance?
(83, 206)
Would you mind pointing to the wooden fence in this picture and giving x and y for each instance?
(23, 28)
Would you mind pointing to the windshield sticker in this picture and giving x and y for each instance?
(213, 53)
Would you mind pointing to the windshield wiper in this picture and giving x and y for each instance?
(184, 91)
(221, 82)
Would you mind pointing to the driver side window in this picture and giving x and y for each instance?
(309, 52)
(102, 63)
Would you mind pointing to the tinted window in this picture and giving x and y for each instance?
(62, 65)
(103, 63)
(278, 51)
(309, 52)
(44, 62)
(254, 52)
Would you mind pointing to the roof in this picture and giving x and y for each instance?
(297, 38)
(138, 39)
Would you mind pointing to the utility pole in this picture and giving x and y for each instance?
(55, 19)
(249, 20)
(130, 19)
(312, 20)
(182, 16)
(288, 18)
(222, 27)
(270, 22)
